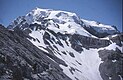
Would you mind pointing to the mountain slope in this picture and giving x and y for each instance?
(65, 42)
(80, 53)
(20, 59)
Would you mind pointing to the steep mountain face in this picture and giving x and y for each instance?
(57, 45)
(20, 59)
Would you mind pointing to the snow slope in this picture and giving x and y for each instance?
(81, 66)
(85, 64)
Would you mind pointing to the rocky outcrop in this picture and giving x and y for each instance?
(20, 59)
(79, 41)
(112, 65)
(117, 39)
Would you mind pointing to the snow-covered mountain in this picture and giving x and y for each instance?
(58, 45)
(63, 22)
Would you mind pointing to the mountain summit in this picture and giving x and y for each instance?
(51, 44)
(64, 22)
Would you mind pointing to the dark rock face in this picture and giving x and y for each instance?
(111, 68)
(20, 59)
(79, 41)
(117, 39)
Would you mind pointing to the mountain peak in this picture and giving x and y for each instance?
(66, 22)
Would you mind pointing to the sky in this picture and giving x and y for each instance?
(104, 11)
